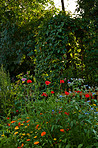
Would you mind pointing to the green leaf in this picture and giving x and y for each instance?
(80, 145)
(68, 146)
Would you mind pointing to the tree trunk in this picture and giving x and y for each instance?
(62, 2)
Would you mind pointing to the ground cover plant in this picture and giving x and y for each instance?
(58, 119)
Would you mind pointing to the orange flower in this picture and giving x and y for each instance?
(13, 121)
(41, 113)
(62, 130)
(43, 133)
(27, 121)
(28, 140)
(16, 127)
(27, 124)
(22, 145)
(37, 142)
(8, 124)
(37, 126)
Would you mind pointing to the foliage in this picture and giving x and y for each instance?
(53, 122)
(62, 49)
(6, 92)
(19, 25)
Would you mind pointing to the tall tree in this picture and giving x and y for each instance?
(62, 2)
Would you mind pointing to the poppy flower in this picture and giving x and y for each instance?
(62, 130)
(67, 93)
(37, 142)
(19, 124)
(47, 82)
(66, 113)
(44, 94)
(27, 121)
(8, 118)
(29, 81)
(61, 81)
(52, 92)
(78, 91)
(17, 111)
(43, 133)
(87, 96)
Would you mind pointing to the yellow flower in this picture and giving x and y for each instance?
(54, 139)
(31, 132)
(16, 127)
(94, 104)
(25, 126)
(39, 128)
(3, 135)
(79, 110)
(15, 133)
(22, 124)
(46, 122)
(35, 137)
(28, 134)
(23, 134)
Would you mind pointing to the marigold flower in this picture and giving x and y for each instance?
(28, 140)
(8, 124)
(87, 96)
(67, 93)
(52, 92)
(37, 142)
(43, 133)
(27, 121)
(41, 113)
(15, 133)
(28, 134)
(29, 81)
(54, 139)
(22, 145)
(62, 130)
(13, 121)
(16, 127)
(35, 137)
(47, 82)
(94, 104)
(23, 134)
(3, 135)
(37, 126)
(27, 124)
(61, 81)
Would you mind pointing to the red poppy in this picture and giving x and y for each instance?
(78, 91)
(67, 93)
(52, 92)
(61, 81)
(17, 111)
(66, 113)
(19, 124)
(29, 81)
(8, 118)
(44, 94)
(47, 82)
(87, 96)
